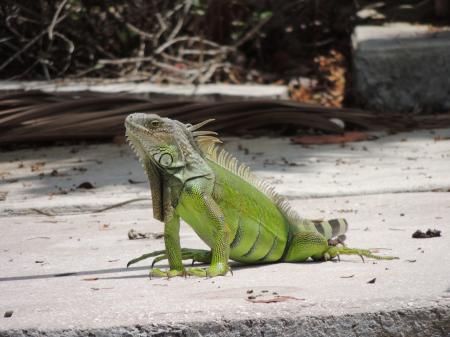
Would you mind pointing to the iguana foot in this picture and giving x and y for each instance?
(334, 251)
(197, 255)
(213, 270)
(156, 272)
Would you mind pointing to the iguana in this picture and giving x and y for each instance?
(239, 216)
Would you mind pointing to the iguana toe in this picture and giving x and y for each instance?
(156, 272)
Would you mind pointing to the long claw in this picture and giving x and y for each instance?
(336, 251)
(145, 256)
(158, 258)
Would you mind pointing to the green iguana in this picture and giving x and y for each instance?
(239, 216)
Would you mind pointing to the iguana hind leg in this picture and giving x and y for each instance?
(305, 245)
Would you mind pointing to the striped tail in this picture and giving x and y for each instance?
(331, 228)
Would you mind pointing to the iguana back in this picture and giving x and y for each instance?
(261, 221)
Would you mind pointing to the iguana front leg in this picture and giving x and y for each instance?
(199, 194)
(173, 249)
(171, 238)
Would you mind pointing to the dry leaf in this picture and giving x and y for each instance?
(3, 195)
(332, 139)
(348, 276)
(36, 167)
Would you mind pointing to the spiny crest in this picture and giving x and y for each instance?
(203, 138)
(136, 151)
(227, 161)
(207, 143)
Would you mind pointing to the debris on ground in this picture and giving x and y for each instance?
(42, 211)
(55, 173)
(333, 139)
(274, 299)
(36, 167)
(372, 281)
(430, 233)
(86, 185)
(135, 235)
(8, 313)
(439, 138)
(3, 195)
(119, 204)
(348, 276)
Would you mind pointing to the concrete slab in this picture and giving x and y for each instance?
(102, 294)
(64, 275)
(402, 67)
(207, 91)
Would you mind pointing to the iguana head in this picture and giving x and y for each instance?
(166, 147)
(156, 139)
(164, 141)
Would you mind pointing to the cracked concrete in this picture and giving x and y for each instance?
(62, 266)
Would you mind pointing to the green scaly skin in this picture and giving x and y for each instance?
(238, 216)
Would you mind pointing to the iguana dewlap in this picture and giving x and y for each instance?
(239, 216)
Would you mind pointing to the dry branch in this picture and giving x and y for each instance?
(38, 116)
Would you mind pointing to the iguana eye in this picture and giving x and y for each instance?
(154, 123)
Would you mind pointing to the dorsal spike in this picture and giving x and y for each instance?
(226, 160)
(204, 133)
(199, 125)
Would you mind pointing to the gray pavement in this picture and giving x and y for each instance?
(62, 266)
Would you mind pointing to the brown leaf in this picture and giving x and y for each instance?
(3, 195)
(332, 139)
(439, 138)
(36, 167)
